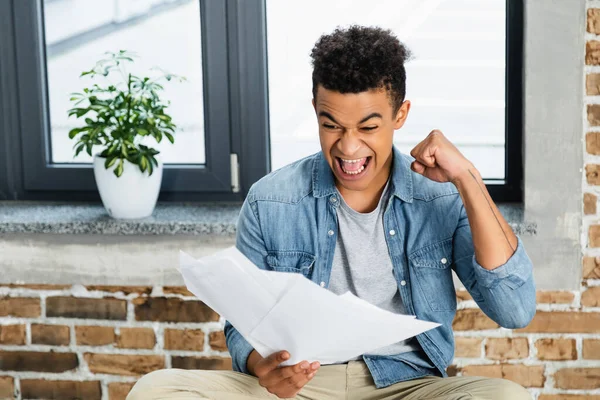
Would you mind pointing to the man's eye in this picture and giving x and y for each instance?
(369, 128)
(329, 126)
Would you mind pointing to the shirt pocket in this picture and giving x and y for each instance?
(431, 266)
(298, 262)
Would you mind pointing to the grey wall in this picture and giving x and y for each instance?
(553, 148)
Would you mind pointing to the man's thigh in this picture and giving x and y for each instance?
(457, 388)
(177, 384)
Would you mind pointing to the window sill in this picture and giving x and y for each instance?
(168, 219)
(74, 218)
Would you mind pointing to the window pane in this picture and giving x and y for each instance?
(163, 33)
(455, 81)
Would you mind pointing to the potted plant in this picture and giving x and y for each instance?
(120, 117)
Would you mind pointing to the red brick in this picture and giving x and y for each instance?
(564, 322)
(7, 387)
(54, 335)
(589, 203)
(592, 84)
(506, 348)
(136, 338)
(78, 307)
(121, 364)
(119, 390)
(120, 289)
(217, 341)
(94, 335)
(46, 389)
(463, 295)
(592, 142)
(592, 176)
(577, 378)
(527, 376)
(184, 339)
(554, 297)
(173, 309)
(37, 361)
(591, 349)
(591, 297)
(24, 307)
(212, 363)
(593, 20)
(468, 347)
(182, 290)
(12, 334)
(472, 319)
(591, 267)
(42, 286)
(556, 349)
(592, 52)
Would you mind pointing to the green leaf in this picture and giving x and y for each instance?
(79, 149)
(119, 170)
(170, 137)
(74, 132)
(143, 164)
(110, 161)
(88, 148)
(142, 131)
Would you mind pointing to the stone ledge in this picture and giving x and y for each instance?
(77, 218)
(168, 219)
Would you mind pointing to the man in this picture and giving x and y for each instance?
(361, 216)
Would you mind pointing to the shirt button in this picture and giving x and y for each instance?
(392, 232)
(322, 284)
(443, 260)
(330, 233)
(333, 200)
(403, 283)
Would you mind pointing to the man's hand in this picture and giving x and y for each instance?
(284, 382)
(438, 159)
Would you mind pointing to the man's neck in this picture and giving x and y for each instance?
(364, 201)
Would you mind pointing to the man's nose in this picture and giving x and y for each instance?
(349, 143)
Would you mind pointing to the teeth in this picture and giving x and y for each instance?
(361, 169)
(351, 161)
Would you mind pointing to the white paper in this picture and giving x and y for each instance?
(277, 311)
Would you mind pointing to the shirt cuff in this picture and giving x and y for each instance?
(514, 273)
(239, 349)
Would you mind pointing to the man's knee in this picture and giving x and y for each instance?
(504, 389)
(148, 386)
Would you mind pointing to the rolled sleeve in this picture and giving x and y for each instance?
(239, 349)
(514, 273)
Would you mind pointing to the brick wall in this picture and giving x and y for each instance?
(94, 342)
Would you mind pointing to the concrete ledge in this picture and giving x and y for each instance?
(168, 219)
(74, 218)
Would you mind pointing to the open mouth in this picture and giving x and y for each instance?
(353, 168)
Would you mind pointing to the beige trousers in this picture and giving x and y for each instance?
(350, 381)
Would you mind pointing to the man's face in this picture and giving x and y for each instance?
(356, 133)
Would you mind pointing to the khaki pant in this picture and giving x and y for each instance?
(350, 381)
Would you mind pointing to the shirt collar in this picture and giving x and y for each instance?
(323, 181)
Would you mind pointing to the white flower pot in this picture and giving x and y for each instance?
(133, 195)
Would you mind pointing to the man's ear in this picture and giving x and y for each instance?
(402, 114)
(314, 105)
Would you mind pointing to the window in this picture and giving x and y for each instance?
(72, 48)
(456, 80)
(241, 113)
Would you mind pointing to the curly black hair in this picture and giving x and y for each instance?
(359, 58)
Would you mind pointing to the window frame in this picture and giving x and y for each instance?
(234, 35)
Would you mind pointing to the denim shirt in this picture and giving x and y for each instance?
(289, 223)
